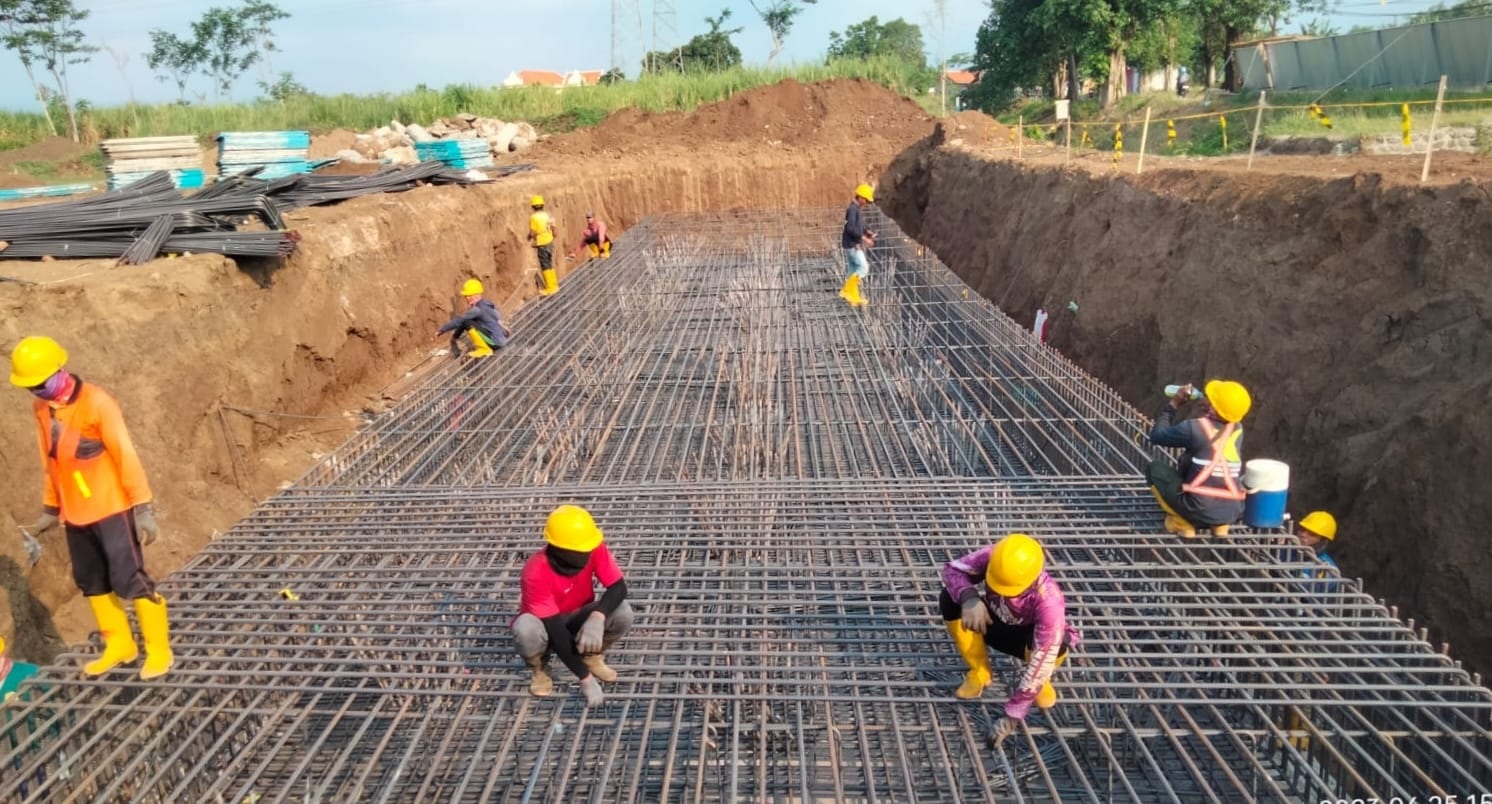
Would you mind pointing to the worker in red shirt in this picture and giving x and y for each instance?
(558, 609)
(96, 488)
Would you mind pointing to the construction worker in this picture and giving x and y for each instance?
(558, 609)
(541, 234)
(1207, 491)
(12, 673)
(593, 238)
(1021, 612)
(856, 241)
(96, 488)
(1317, 532)
(481, 324)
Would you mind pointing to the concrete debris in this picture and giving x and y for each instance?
(395, 141)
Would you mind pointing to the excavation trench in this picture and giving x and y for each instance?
(236, 379)
(1357, 310)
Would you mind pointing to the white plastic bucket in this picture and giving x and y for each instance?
(1268, 484)
(1263, 474)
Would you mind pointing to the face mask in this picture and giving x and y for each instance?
(566, 562)
(53, 388)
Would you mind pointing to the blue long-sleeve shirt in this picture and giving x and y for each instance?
(484, 317)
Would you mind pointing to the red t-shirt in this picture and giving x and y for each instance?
(546, 593)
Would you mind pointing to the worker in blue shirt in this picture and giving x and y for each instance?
(856, 240)
(1317, 532)
(481, 324)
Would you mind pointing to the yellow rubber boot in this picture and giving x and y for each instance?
(1164, 506)
(856, 300)
(479, 347)
(970, 646)
(156, 634)
(844, 290)
(551, 282)
(1047, 697)
(606, 249)
(1180, 527)
(114, 627)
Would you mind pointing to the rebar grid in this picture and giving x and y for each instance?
(781, 477)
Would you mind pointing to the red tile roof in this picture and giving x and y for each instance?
(540, 78)
(962, 77)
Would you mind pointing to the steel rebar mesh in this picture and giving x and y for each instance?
(781, 477)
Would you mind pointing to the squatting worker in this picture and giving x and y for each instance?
(1317, 532)
(1207, 492)
(541, 234)
(481, 324)
(593, 238)
(96, 487)
(1020, 612)
(855, 240)
(558, 609)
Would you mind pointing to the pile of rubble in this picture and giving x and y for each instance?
(395, 141)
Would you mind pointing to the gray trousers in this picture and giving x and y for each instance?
(532, 640)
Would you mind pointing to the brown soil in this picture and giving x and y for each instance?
(60, 151)
(1356, 308)
(325, 146)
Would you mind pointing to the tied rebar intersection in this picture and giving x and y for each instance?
(781, 477)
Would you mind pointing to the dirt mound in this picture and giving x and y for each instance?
(844, 113)
(1354, 307)
(325, 146)
(974, 128)
(60, 154)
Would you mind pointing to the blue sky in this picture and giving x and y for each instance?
(337, 46)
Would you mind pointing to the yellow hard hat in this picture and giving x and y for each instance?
(571, 527)
(1230, 399)
(864, 191)
(536, 201)
(471, 287)
(35, 360)
(1014, 565)
(1320, 523)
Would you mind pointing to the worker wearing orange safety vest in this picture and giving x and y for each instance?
(96, 488)
(541, 234)
(1207, 491)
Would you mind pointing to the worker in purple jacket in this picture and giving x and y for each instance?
(1020, 612)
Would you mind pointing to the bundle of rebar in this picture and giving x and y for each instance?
(139, 222)
(781, 477)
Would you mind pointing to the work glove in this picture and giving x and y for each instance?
(44, 523)
(976, 615)
(589, 639)
(1004, 727)
(591, 688)
(33, 547)
(145, 526)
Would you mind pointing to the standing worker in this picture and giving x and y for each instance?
(96, 487)
(856, 240)
(482, 324)
(541, 234)
(558, 609)
(1020, 613)
(593, 238)
(1207, 491)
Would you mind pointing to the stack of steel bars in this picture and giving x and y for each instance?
(781, 477)
(151, 217)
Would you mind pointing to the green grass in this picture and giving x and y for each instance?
(546, 108)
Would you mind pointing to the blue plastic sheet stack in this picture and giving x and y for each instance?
(49, 191)
(462, 153)
(278, 153)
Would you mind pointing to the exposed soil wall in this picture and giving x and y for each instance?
(1356, 309)
(182, 341)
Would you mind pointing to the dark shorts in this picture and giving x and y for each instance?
(546, 256)
(1011, 640)
(106, 558)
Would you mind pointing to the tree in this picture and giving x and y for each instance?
(898, 40)
(174, 59)
(258, 16)
(613, 76)
(45, 33)
(778, 16)
(1318, 27)
(15, 34)
(707, 52)
(1439, 11)
(283, 88)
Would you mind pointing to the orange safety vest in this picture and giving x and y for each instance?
(1223, 465)
(92, 469)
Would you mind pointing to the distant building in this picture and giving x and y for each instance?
(963, 79)
(582, 78)
(534, 78)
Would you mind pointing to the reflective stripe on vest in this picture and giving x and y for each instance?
(1218, 467)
